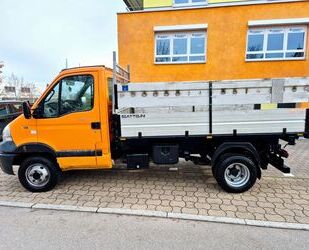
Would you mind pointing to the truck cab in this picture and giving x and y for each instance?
(68, 128)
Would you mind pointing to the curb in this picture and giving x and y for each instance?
(282, 225)
(65, 208)
(158, 214)
(226, 220)
(122, 211)
(16, 204)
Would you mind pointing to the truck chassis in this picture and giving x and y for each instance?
(237, 127)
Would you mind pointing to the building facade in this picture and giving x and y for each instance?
(193, 40)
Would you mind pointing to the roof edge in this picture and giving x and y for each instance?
(213, 5)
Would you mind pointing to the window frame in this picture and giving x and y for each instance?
(171, 35)
(286, 31)
(40, 107)
(190, 3)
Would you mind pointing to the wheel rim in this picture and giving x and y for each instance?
(237, 175)
(37, 175)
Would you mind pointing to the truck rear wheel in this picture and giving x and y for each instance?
(38, 174)
(235, 173)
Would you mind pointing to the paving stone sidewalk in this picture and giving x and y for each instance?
(191, 190)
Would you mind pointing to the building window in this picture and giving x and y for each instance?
(188, 47)
(189, 2)
(276, 43)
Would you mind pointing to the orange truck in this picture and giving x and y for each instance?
(93, 117)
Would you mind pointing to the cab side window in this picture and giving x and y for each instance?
(72, 94)
(76, 94)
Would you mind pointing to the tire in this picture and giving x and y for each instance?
(235, 173)
(38, 174)
(219, 161)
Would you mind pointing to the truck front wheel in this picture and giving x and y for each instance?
(38, 174)
(235, 173)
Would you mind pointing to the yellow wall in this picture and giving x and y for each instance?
(157, 3)
(226, 43)
(169, 3)
(225, 1)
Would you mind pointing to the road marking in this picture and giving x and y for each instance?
(159, 214)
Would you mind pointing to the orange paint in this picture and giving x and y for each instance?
(304, 105)
(72, 132)
(226, 43)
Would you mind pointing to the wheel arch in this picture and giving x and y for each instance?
(35, 149)
(243, 148)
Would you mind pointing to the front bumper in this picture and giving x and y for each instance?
(7, 156)
(6, 163)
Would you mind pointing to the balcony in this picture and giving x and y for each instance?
(134, 4)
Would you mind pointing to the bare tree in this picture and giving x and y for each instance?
(1, 75)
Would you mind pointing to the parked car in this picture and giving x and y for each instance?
(9, 110)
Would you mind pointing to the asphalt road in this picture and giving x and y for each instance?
(44, 229)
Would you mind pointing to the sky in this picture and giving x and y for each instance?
(37, 36)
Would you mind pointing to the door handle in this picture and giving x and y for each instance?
(96, 125)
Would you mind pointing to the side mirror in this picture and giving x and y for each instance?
(26, 110)
(37, 113)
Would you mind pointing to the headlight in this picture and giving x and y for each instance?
(6, 134)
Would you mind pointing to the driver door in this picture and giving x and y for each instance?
(69, 121)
